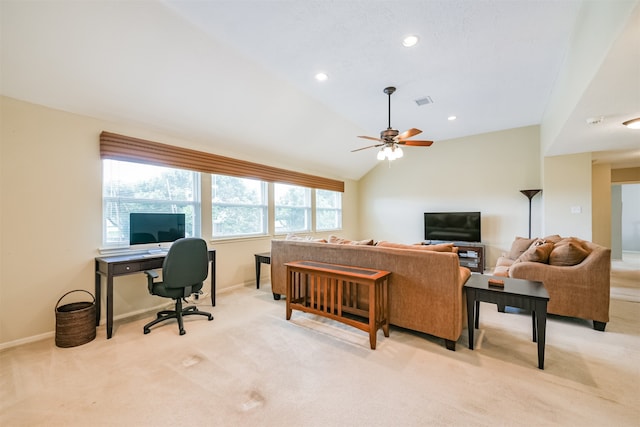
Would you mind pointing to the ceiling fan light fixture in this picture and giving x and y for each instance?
(410, 41)
(633, 123)
(390, 139)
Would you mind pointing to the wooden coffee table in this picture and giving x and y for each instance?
(525, 294)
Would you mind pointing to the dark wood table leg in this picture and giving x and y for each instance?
(533, 326)
(213, 280)
(471, 316)
(109, 305)
(541, 321)
(477, 316)
(98, 296)
(258, 272)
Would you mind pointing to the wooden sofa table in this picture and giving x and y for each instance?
(332, 290)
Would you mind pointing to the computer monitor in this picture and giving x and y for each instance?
(158, 228)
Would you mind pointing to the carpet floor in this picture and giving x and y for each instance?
(251, 367)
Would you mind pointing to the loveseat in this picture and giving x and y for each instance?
(575, 272)
(425, 286)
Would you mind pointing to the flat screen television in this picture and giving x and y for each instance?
(155, 227)
(452, 226)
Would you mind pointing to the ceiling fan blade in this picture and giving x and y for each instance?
(369, 137)
(409, 133)
(364, 148)
(416, 143)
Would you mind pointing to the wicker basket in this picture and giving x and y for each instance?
(75, 322)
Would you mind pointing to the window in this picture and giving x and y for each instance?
(239, 206)
(328, 210)
(292, 208)
(134, 187)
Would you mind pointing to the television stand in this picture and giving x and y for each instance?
(471, 254)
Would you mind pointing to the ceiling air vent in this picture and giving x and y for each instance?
(424, 101)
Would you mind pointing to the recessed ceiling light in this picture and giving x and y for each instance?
(451, 118)
(410, 41)
(321, 77)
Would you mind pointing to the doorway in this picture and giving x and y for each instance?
(625, 221)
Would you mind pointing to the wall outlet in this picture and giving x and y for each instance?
(576, 209)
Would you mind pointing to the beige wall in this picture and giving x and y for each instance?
(478, 173)
(50, 228)
(601, 204)
(625, 176)
(567, 195)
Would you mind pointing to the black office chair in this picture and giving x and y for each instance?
(184, 269)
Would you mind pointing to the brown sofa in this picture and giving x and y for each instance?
(575, 272)
(425, 287)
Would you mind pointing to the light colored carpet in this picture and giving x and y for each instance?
(251, 367)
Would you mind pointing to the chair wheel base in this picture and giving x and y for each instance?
(146, 331)
(182, 332)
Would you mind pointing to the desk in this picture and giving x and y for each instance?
(525, 294)
(331, 291)
(262, 258)
(121, 265)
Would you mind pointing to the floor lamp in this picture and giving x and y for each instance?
(530, 194)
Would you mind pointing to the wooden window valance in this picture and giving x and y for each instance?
(126, 148)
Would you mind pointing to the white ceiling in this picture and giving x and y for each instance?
(236, 76)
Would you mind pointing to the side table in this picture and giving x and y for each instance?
(525, 294)
(261, 258)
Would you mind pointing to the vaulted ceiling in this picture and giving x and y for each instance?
(237, 77)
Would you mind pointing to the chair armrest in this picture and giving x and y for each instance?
(544, 272)
(151, 275)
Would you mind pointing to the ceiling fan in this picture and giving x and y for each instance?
(390, 139)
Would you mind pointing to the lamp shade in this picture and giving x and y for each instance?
(530, 193)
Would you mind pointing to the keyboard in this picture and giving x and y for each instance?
(155, 254)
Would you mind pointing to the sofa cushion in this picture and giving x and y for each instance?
(567, 252)
(340, 241)
(539, 251)
(441, 247)
(501, 270)
(519, 246)
(503, 261)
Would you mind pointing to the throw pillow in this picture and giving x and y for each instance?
(518, 247)
(568, 252)
(553, 238)
(539, 251)
(340, 241)
(292, 236)
(442, 247)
